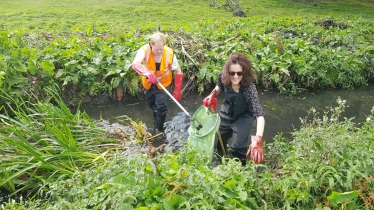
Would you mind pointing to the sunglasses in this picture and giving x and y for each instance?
(232, 73)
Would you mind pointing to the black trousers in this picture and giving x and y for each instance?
(157, 101)
(239, 130)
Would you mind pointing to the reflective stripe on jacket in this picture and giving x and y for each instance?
(164, 74)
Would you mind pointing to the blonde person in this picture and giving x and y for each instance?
(241, 106)
(160, 63)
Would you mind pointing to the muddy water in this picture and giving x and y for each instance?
(282, 111)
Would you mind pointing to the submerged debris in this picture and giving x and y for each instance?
(137, 138)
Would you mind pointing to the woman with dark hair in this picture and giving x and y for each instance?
(241, 106)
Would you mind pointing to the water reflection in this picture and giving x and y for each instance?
(282, 111)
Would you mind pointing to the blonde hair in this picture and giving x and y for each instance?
(158, 37)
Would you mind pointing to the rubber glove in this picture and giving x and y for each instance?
(140, 69)
(255, 150)
(178, 78)
(211, 100)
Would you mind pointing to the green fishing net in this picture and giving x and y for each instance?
(202, 139)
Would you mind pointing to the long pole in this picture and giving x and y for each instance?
(175, 100)
(180, 106)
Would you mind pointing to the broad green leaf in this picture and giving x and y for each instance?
(337, 198)
(32, 67)
(59, 73)
(48, 67)
(134, 85)
(71, 62)
(230, 184)
(159, 191)
(243, 195)
(15, 54)
(120, 179)
(116, 81)
(175, 200)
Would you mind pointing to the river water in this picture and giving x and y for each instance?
(283, 112)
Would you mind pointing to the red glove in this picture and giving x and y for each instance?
(140, 69)
(178, 78)
(256, 151)
(211, 100)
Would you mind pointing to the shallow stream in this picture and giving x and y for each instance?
(283, 112)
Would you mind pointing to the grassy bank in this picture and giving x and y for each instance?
(123, 15)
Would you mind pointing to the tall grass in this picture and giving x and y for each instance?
(43, 141)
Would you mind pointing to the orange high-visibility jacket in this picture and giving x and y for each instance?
(164, 74)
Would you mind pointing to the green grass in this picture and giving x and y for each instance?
(120, 15)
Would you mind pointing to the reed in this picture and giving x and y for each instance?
(44, 141)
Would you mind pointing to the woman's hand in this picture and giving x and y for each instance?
(211, 101)
(255, 150)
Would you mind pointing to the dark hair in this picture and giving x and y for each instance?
(245, 63)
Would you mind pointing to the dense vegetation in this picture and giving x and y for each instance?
(290, 54)
(84, 49)
(328, 165)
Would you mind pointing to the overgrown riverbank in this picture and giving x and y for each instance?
(289, 55)
(71, 163)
